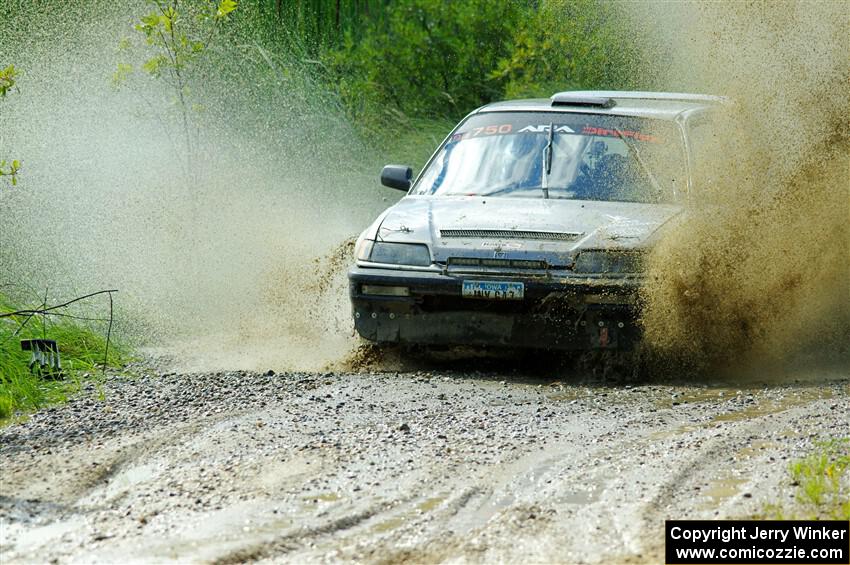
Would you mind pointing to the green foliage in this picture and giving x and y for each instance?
(433, 59)
(12, 171)
(177, 35)
(81, 347)
(823, 480)
(7, 79)
(11, 168)
(225, 7)
(425, 58)
(822, 484)
(566, 44)
(316, 23)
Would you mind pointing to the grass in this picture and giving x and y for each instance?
(414, 140)
(400, 139)
(81, 346)
(822, 483)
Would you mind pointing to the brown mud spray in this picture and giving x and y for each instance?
(225, 273)
(759, 269)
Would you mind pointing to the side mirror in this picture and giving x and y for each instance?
(397, 176)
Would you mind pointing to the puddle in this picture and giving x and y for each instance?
(325, 497)
(695, 396)
(579, 496)
(755, 449)
(720, 490)
(388, 525)
(772, 405)
(431, 503)
(400, 519)
(566, 393)
(313, 502)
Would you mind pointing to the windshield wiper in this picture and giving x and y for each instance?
(636, 154)
(547, 161)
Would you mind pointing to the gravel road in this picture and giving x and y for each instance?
(385, 467)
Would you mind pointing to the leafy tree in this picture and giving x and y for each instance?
(431, 58)
(565, 44)
(7, 82)
(425, 57)
(178, 35)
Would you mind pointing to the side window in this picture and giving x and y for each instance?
(706, 147)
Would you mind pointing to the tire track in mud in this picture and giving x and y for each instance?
(703, 467)
(281, 545)
(390, 468)
(513, 488)
(639, 523)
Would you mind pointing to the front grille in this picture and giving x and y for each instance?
(496, 263)
(511, 234)
(442, 303)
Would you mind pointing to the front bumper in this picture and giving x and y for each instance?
(569, 311)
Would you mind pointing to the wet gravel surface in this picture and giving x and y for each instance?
(426, 466)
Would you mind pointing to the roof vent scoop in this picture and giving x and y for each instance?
(577, 99)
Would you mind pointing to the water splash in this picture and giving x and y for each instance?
(759, 269)
(280, 180)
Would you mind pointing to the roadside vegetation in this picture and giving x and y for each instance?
(821, 483)
(82, 347)
(176, 36)
(428, 58)
(423, 64)
(404, 71)
(8, 167)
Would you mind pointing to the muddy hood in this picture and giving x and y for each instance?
(486, 227)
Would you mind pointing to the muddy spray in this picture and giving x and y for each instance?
(758, 269)
(221, 270)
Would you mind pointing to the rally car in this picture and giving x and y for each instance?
(529, 225)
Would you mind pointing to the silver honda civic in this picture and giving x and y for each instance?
(529, 225)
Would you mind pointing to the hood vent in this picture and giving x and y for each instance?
(511, 234)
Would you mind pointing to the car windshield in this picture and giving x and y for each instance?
(591, 157)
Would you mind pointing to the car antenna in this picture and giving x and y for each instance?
(547, 161)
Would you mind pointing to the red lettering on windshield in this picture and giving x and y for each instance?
(603, 132)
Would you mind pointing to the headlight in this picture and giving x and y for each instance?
(602, 262)
(363, 248)
(415, 254)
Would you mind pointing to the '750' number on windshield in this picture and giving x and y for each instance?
(491, 130)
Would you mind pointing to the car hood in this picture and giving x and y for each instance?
(521, 228)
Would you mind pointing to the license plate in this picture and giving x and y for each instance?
(494, 290)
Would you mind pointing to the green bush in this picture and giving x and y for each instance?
(571, 44)
(82, 350)
(425, 58)
(435, 59)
